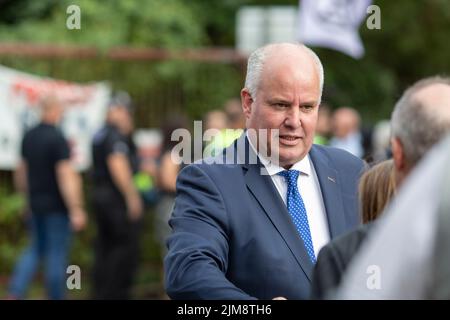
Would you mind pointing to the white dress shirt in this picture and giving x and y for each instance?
(309, 188)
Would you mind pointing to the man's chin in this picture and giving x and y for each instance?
(288, 156)
(288, 161)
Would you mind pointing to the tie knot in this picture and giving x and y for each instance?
(291, 176)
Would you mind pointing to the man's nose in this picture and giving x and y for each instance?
(293, 118)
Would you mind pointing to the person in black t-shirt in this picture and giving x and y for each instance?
(117, 204)
(53, 190)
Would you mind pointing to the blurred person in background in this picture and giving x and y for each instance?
(235, 124)
(381, 139)
(117, 203)
(148, 146)
(401, 242)
(166, 179)
(215, 124)
(54, 195)
(346, 131)
(323, 128)
(215, 119)
(235, 115)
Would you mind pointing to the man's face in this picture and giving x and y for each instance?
(59, 112)
(126, 122)
(287, 100)
(121, 117)
(341, 125)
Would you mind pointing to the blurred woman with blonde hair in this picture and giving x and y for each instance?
(376, 188)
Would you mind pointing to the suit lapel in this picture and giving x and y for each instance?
(331, 194)
(265, 192)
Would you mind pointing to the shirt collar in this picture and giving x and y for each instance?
(304, 165)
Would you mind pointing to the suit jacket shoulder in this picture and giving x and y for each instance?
(339, 158)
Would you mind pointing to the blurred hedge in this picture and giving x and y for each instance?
(12, 228)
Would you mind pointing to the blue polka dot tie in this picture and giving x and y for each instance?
(297, 210)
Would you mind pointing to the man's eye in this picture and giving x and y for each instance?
(280, 105)
(308, 107)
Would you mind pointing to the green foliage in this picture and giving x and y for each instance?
(12, 228)
(15, 11)
(163, 23)
(10, 206)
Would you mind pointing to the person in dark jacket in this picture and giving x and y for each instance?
(420, 119)
(117, 204)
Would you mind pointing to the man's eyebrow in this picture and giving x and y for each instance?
(279, 100)
(311, 103)
(287, 101)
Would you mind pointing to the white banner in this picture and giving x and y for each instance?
(333, 24)
(19, 96)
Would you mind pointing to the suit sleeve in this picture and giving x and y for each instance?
(327, 273)
(197, 259)
(333, 261)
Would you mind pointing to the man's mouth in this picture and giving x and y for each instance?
(289, 139)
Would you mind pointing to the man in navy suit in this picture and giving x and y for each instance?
(243, 229)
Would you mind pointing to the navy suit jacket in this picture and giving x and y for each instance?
(233, 237)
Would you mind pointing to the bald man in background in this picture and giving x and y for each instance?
(346, 131)
(54, 195)
(399, 250)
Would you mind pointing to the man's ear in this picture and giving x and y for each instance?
(247, 102)
(398, 154)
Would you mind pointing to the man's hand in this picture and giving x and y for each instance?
(70, 185)
(135, 207)
(78, 219)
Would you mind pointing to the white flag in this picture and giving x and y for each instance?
(333, 24)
